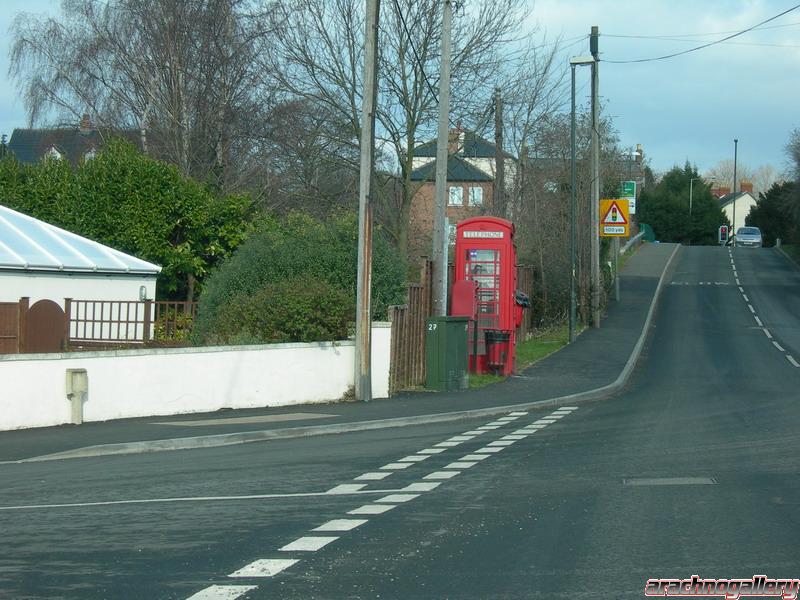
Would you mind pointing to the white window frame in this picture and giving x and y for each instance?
(476, 196)
(53, 153)
(451, 195)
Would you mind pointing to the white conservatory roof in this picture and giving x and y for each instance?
(28, 244)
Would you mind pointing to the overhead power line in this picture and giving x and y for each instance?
(695, 49)
(701, 34)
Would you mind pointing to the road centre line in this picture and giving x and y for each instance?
(741, 289)
(339, 525)
(309, 543)
(778, 346)
(767, 333)
(791, 359)
(746, 299)
(752, 310)
(222, 592)
(758, 321)
(266, 567)
(271, 567)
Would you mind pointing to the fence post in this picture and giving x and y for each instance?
(67, 321)
(148, 306)
(22, 324)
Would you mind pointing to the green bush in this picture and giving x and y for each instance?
(302, 309)
(287, 250)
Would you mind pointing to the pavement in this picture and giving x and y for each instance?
(599, 364)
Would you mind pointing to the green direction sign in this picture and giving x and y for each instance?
(628, 189)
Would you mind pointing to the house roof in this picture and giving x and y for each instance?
(29, 146)
(457, 170)
(474, 147)
(28, 244)
(728, 198)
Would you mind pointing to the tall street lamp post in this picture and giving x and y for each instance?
(691, 181)
(573, 62)
(735, 155)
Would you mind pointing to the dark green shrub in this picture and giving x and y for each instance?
(284, 250)
(303, 309)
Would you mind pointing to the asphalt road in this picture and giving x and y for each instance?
(691, 470)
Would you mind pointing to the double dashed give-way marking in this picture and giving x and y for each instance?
(323, 535)
(758, 321)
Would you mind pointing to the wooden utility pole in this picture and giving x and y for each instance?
(363, 347)
(500, 207)
(438, 255)
(595, 240)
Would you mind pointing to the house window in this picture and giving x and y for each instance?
(451, 234)
(476, 196)
(455, 196)
(90, 155)
(53, 153)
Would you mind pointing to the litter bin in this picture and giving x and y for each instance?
(497, 342)
(446, 353)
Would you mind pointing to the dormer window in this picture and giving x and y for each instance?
(53, 153)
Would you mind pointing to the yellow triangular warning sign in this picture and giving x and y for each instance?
(614, 216)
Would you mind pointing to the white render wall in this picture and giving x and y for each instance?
(743, 205)
(141, 383)
(57, 286)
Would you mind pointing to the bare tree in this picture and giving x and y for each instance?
(181, 71)
(319, 58)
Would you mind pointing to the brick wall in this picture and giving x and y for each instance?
(422, 210)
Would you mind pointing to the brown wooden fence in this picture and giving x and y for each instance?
(12, 326)
(408, 327)
(408, 334)
(127, 322)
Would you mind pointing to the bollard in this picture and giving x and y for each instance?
(77, 393)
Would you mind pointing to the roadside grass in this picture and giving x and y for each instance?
(793, 250)
(542, 344)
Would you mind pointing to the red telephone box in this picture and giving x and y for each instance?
(485, 254)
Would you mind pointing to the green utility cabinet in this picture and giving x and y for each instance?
(446, 354)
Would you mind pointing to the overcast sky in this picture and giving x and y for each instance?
(688, 107)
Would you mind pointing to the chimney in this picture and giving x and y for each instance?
(720, 191)
(86, 124)
(455, 139)
(746, 186)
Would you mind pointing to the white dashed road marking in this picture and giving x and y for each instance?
(312, 543)
(752, 310)
(746, 299)
(395, 466)
(758, 321)
(767, 333)
(441, 475)
(371, 509)
(341, 524)
(474, 457)
(778, 346)
(265, 567)
(372, 476)
(398, 498)
(791, 359)
(421, 486)
(346, 488)
(309, 543)
(460, 464)
(414, 458)
(222, 592)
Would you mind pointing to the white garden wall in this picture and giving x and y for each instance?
(140, 383)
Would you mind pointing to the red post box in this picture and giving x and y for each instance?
(485, 254)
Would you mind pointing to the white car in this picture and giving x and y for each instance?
(749, 236)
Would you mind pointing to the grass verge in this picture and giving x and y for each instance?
(528, 352)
